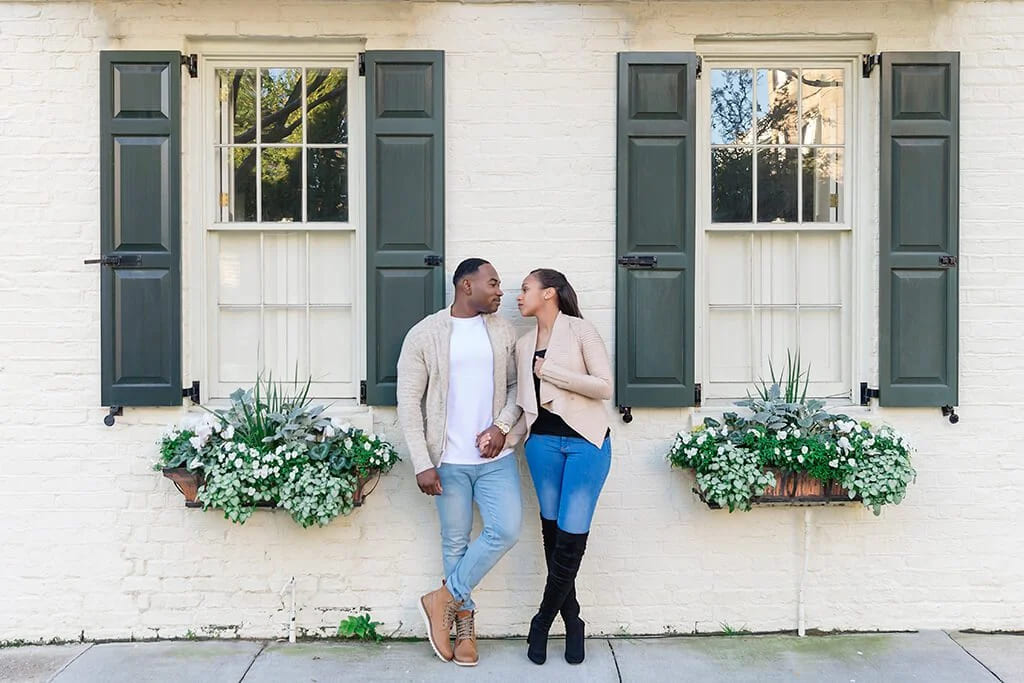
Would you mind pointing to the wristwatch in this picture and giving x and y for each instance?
(502, 427)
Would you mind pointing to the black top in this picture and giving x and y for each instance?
(548, 423)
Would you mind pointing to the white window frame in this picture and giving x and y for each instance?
(860, 217)
(202, 201)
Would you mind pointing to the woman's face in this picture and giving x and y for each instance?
(531, 297)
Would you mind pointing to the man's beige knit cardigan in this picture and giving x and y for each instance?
(423, 384)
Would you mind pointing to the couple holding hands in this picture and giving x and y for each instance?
(468, 392)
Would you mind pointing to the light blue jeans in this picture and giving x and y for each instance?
(494, 487)
(568, 473)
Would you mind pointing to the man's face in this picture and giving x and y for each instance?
(485, 289)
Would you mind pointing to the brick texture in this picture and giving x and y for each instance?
(97, 545)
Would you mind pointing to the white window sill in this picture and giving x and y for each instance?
(340, 411)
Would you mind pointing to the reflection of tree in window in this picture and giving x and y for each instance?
(280, 121)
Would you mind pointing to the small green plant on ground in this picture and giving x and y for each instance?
(728, 630)
(360, 628)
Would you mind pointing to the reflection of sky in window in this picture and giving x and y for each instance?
(732, 106)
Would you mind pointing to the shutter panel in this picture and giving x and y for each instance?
(655, 217)
(140, 228)
(918, 236)
(405, 205)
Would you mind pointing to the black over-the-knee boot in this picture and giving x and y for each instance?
(566, 556)
(575, 649)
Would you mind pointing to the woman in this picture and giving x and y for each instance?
(564, 381)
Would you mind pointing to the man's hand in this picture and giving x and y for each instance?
(429, 482)
(490, 442)
(538, 365)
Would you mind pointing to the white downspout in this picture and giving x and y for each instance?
(801, 613)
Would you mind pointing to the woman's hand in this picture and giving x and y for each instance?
(538, 365)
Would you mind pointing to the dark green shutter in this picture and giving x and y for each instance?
(655, 217)
(918, 236)
(404, 207)
(140, 228)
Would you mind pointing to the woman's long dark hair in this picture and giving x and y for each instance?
(567, 301)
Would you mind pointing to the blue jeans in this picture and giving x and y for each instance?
(494, 487)
(568, 473)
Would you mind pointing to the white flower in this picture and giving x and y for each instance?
(796, 433)
(845, 427)
(833, 463)
(721, 449)
(366, 446)
(348, 443)
(701, 439)
(783, 435)
(852, 462)
(804, 450)
(238, 463)
(777, 451)
(690, 452)
(828, 446)
(196, 442)
(844, 443)
(800, 458)
(228, 433)
(687, 438)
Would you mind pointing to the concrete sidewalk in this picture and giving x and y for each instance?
(933, 656)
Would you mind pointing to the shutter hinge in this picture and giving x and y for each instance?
(362, 63)
(950, 412)
(115, 411)
(949, 261)
(867, 394)
(192, 392)
(697, 394)
(627, 413)
(362, 392)
(191, 62)
(868, 64)
(700, 66)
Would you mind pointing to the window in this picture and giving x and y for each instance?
(281, 249)
(776, 228)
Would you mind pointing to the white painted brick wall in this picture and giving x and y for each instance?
(96, 543)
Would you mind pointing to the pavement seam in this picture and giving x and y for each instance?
(69, 663)
(971, 655)
(614, 659)
(245, 673)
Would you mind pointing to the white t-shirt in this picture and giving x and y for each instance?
(470, 391)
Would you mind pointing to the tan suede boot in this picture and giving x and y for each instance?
(465, 639)
(438, 610)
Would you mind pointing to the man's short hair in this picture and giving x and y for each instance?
(467, 268)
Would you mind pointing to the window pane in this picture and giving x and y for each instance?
(284, 268)
(823, 106)
(777, 328)
(821, 344)
(281, 105)
(238, 345)
(236, 106)
(236, 175)
(776, 184)
(730, 337)
(327, 106)
(731, 183)
(282, 183)
(731, 106)
(823, 200)
(777, 267)
(776, 106)
(822, 261)
(331, 344)
(327, 176)
(238, 268)
(284, 341)
(729, 278)
(330, 267)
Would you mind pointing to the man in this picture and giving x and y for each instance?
(456, 406)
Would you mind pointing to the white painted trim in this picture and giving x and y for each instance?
(862, 224)
(200, 190)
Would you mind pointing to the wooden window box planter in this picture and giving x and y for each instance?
(794, 488)
(188, 483)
